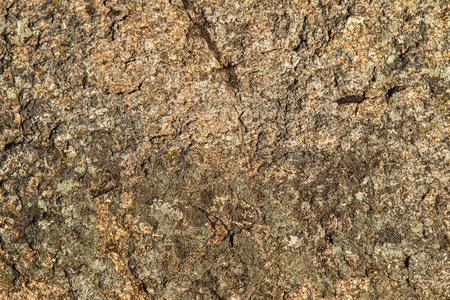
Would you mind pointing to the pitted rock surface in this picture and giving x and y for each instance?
(180, 149)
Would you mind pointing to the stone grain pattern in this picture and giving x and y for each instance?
(224, 149)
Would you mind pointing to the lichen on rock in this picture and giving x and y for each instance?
(179, 149)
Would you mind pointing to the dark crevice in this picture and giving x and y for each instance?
(330, 34)
(54, 131)
(232, 240)
(114, 26)
(336, 82)
(393, 91)
(11, 145)
(407, 262)
(201, 28)
(85, 82)
(137, 89)
(351, 99)
(410, 284)
(213, 220)
(424, 195)
(374, 75)
(133, 59)
(112, 31)
(329, 238)
(402, 60)
(143, 287)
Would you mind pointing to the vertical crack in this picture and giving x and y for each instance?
(407, 262)
(200, 27)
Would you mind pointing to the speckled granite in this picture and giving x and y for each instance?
(224, 149)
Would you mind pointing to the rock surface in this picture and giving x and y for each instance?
(224, 149)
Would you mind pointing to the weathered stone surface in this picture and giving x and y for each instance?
(186, 149)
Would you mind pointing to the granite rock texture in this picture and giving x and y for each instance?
(224, 149)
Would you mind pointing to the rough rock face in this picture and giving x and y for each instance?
(224, 149)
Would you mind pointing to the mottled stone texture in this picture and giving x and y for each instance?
(226, 149)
